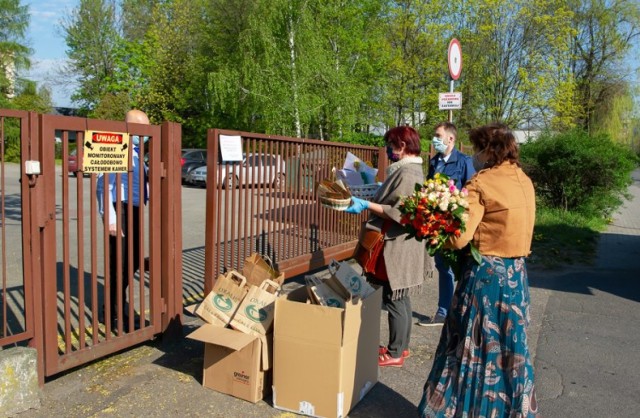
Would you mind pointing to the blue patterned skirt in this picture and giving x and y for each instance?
(482, 366)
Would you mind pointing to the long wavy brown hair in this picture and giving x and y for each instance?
(497, 142)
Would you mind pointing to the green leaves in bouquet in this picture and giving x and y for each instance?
(456, 259)
(475, 253)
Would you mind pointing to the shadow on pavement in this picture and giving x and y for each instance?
(382, 401)
(614, 272)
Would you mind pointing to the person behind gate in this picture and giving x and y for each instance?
(458, 167)
(138, 168)
(403, 270)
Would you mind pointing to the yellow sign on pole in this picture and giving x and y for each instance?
(106, 152)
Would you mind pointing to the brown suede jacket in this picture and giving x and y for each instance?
(502, 208)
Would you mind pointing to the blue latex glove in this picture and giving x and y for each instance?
(357, 205)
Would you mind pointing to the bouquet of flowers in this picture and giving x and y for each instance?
(434, 213)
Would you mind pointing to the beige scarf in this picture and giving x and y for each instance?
(406, 160)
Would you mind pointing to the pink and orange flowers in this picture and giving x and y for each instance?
(435, 212)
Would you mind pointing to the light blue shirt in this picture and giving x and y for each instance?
(124, 187)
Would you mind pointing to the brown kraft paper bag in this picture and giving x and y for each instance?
(256, 269)
(225, 298)
(255, 313)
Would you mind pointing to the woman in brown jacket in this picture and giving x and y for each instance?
(482, 365)
(404, 269)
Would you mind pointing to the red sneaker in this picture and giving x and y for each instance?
(382, 350)
(385, 360)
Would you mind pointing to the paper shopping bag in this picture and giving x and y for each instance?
(223, 301)
(347, 282)
(257, 269)
(255, 313)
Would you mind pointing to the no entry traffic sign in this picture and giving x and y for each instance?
(454, 58)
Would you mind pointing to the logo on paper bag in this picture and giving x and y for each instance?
(334, 303)
(355, 284)
(222, 303)
(255, 314)
(241, 377)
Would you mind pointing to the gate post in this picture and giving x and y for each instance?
(171, 215)
(32, 193)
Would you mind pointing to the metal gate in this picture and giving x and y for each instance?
(266, 202)
(66, 250)
(19, 271)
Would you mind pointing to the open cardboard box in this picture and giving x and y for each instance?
(325, 358)
(233, 362)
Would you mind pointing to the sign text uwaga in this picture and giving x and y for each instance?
(106, 152)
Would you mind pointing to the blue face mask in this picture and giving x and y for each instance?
(438, 145)
(393, 157)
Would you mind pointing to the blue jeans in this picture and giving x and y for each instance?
(445, 285)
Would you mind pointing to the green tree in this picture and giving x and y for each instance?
(351, 41)
(30, 97)
(605, 32)
(615, 115)
(417, 69)
(177, 61)
(14, 53)
(513, 64)
(91, 34)
(296, 68)
(137, 18)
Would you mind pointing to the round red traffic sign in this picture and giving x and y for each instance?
(454, 58)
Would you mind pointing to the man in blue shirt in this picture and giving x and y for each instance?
(137, 197)
(458, 167)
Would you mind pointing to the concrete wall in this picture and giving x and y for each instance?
(19, 390)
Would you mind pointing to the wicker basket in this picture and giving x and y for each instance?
(365, 191)
(335, 204)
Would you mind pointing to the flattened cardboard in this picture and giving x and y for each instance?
(325, 358)
(232, 362)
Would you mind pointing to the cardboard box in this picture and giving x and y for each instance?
(325, 358)
(233, 362)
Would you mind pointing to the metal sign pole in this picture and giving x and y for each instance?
(451, 110)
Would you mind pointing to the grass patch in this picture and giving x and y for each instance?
(561, 238)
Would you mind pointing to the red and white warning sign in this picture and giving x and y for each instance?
(106, 152)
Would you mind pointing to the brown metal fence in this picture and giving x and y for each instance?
(19, 282)
(60, 300)
(267, 203)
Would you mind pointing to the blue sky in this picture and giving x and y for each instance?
(47, 42)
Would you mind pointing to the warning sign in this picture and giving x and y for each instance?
(448, 101)
(106, 152)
